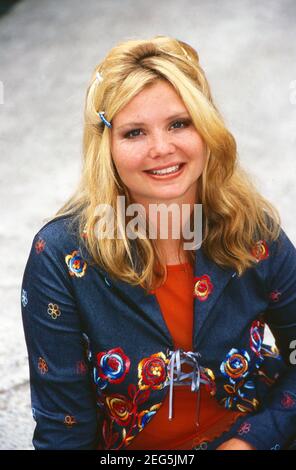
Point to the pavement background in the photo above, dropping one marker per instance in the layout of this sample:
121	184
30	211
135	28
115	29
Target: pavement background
48	50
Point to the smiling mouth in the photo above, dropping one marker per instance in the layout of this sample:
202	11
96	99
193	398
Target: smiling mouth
166	171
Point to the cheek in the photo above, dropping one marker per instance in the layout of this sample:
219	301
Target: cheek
127	159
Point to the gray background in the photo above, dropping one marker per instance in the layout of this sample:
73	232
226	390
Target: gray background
48	50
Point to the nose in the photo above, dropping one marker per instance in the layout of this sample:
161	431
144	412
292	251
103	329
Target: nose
160	144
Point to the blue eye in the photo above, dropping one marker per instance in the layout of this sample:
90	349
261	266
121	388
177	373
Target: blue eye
129	135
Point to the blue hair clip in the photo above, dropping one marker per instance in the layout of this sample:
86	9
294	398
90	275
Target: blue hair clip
101	114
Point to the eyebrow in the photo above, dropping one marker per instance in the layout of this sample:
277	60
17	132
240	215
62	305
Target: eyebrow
174	116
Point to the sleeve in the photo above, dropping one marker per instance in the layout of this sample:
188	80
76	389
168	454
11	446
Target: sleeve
274	427
63	403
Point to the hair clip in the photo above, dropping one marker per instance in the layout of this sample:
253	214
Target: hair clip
99	77
101	114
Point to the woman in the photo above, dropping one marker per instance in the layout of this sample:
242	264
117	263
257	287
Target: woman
134	340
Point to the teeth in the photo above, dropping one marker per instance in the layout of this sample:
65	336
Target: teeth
171	169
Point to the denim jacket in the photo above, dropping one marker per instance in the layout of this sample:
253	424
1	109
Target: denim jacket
102	358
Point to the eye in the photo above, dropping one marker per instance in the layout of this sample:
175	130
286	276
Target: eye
184	122
131	135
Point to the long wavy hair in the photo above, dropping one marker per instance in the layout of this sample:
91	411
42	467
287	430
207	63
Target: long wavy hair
235	215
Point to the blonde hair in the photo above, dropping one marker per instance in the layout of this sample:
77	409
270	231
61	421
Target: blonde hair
235	215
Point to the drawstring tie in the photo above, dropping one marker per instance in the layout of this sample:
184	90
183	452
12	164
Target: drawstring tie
177	377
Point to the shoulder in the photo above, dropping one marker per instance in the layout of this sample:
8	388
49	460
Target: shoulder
58	234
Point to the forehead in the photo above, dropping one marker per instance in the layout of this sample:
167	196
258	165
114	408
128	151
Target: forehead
156	100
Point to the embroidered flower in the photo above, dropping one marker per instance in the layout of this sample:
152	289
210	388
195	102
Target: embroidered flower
203	287
288	400
152	372
236	365
208	375
244	429
24	298
121	409
69	421
76	264
275	296
39	245
145	416
112	367
256	338
42	365
81	367
237	399
260	250
54	311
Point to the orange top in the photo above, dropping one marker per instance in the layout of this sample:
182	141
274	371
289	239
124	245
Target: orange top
175	298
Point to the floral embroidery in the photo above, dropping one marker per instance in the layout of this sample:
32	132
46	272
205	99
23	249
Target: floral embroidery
124	412
275	447
24	298
244	429
76	264
260	250
152	372
121	409
40	245
275	296
81	367
236	365
288	400
69	421
145	416
208	375
237	399
203	287
42	366
112	367
236	369
54	311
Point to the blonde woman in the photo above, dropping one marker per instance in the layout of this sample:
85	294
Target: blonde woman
142	341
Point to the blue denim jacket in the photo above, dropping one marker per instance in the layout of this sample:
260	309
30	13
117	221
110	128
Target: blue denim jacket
100	352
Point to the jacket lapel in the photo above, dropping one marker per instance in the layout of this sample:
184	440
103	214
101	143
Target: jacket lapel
209	282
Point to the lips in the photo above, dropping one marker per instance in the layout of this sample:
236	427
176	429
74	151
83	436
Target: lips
163	167
166	172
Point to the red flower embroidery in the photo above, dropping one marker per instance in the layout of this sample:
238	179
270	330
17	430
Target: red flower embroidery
42	365
39	246
260	250
112	366
81	367
203	287
121	409
287	400
275	296
152	372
